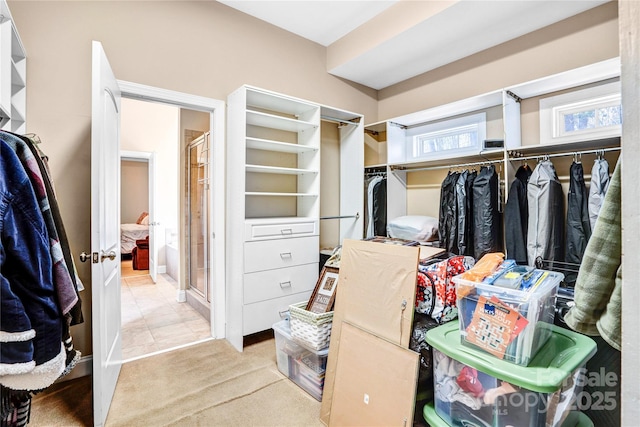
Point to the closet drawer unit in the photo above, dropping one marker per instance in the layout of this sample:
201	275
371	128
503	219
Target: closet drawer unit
261	230
279	253
262	315
270	284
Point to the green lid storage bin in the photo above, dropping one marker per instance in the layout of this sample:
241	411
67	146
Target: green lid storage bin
473	388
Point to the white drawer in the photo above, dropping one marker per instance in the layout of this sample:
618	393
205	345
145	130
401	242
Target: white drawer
280	229
279	253
262	315
271	284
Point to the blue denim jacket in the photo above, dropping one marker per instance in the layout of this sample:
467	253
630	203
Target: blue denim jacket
31	355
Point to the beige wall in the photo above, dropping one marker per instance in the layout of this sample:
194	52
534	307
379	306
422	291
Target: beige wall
134	190
589	37
208	49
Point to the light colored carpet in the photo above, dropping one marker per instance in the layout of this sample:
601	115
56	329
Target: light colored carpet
208	384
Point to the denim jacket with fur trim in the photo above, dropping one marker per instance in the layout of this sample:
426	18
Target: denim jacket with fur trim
31	351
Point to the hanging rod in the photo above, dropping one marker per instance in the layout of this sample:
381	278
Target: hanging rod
567	153
356	216
333	119
461	165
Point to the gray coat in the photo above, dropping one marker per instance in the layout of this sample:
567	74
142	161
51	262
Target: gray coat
545	231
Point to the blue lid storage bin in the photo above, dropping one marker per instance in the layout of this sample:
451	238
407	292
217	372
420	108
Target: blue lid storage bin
511	324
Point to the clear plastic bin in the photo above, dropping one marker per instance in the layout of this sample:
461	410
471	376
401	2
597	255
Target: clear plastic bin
472	387
510	324
303	365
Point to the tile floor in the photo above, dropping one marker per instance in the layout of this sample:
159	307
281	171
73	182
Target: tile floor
152	319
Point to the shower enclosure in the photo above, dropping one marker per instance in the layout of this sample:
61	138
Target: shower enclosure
198	198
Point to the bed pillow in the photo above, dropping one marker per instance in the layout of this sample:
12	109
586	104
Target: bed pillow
145	221
413	227
142	216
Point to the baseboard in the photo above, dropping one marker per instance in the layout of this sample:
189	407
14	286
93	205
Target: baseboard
162	269
82	369
182	295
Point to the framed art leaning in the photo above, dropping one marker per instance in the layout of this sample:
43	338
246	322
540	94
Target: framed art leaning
324	294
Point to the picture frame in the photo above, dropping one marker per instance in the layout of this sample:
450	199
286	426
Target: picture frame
324	293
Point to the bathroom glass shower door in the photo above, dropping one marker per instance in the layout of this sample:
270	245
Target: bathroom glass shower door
198	216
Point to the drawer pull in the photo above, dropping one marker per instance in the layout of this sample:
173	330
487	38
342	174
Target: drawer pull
286	284
285	254
286	231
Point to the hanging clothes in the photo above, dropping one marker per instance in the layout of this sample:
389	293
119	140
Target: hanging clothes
598	188
486	217
379	214
598	298
464	213
31	353
376	206
578	225
516	215
447	220
545	230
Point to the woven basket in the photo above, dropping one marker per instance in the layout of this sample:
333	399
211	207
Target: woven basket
311	329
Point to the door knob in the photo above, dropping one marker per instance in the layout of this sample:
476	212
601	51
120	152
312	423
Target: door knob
84	257
111	255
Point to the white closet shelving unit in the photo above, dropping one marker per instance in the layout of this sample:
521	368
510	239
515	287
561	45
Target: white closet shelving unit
273	205
389	142
13	75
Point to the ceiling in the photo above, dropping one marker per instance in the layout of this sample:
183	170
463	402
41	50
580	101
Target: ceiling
378	43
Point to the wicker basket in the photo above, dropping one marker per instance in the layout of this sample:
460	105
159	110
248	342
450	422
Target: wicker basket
311	329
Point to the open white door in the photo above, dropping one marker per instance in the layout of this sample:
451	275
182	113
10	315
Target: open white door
105	235
154	225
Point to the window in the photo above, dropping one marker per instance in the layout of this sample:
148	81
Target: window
449	138
583	115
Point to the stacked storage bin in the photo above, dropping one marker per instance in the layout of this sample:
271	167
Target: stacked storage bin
505	363
304	365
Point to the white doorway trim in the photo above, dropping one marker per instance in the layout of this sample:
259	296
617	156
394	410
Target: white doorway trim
216	108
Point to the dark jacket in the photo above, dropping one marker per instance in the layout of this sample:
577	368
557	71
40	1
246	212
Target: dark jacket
447	226
516	214
578	225
31	354
486	217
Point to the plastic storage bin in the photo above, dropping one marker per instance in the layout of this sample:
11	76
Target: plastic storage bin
303	365
510	324
472	387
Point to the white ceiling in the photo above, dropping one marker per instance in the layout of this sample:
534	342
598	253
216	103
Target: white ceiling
463	28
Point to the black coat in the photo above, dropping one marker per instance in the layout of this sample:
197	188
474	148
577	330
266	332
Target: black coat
516	216
486	217
578	225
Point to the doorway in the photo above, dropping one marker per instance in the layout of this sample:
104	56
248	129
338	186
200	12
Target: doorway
155	317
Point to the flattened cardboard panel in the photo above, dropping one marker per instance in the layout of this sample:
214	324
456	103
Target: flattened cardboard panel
375	278
381	288
375	382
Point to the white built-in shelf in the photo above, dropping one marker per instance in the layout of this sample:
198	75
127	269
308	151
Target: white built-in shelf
258	193
282	147
278	170
258	118
13	69
261	99
489	155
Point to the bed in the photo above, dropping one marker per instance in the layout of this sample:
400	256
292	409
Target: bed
129	233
